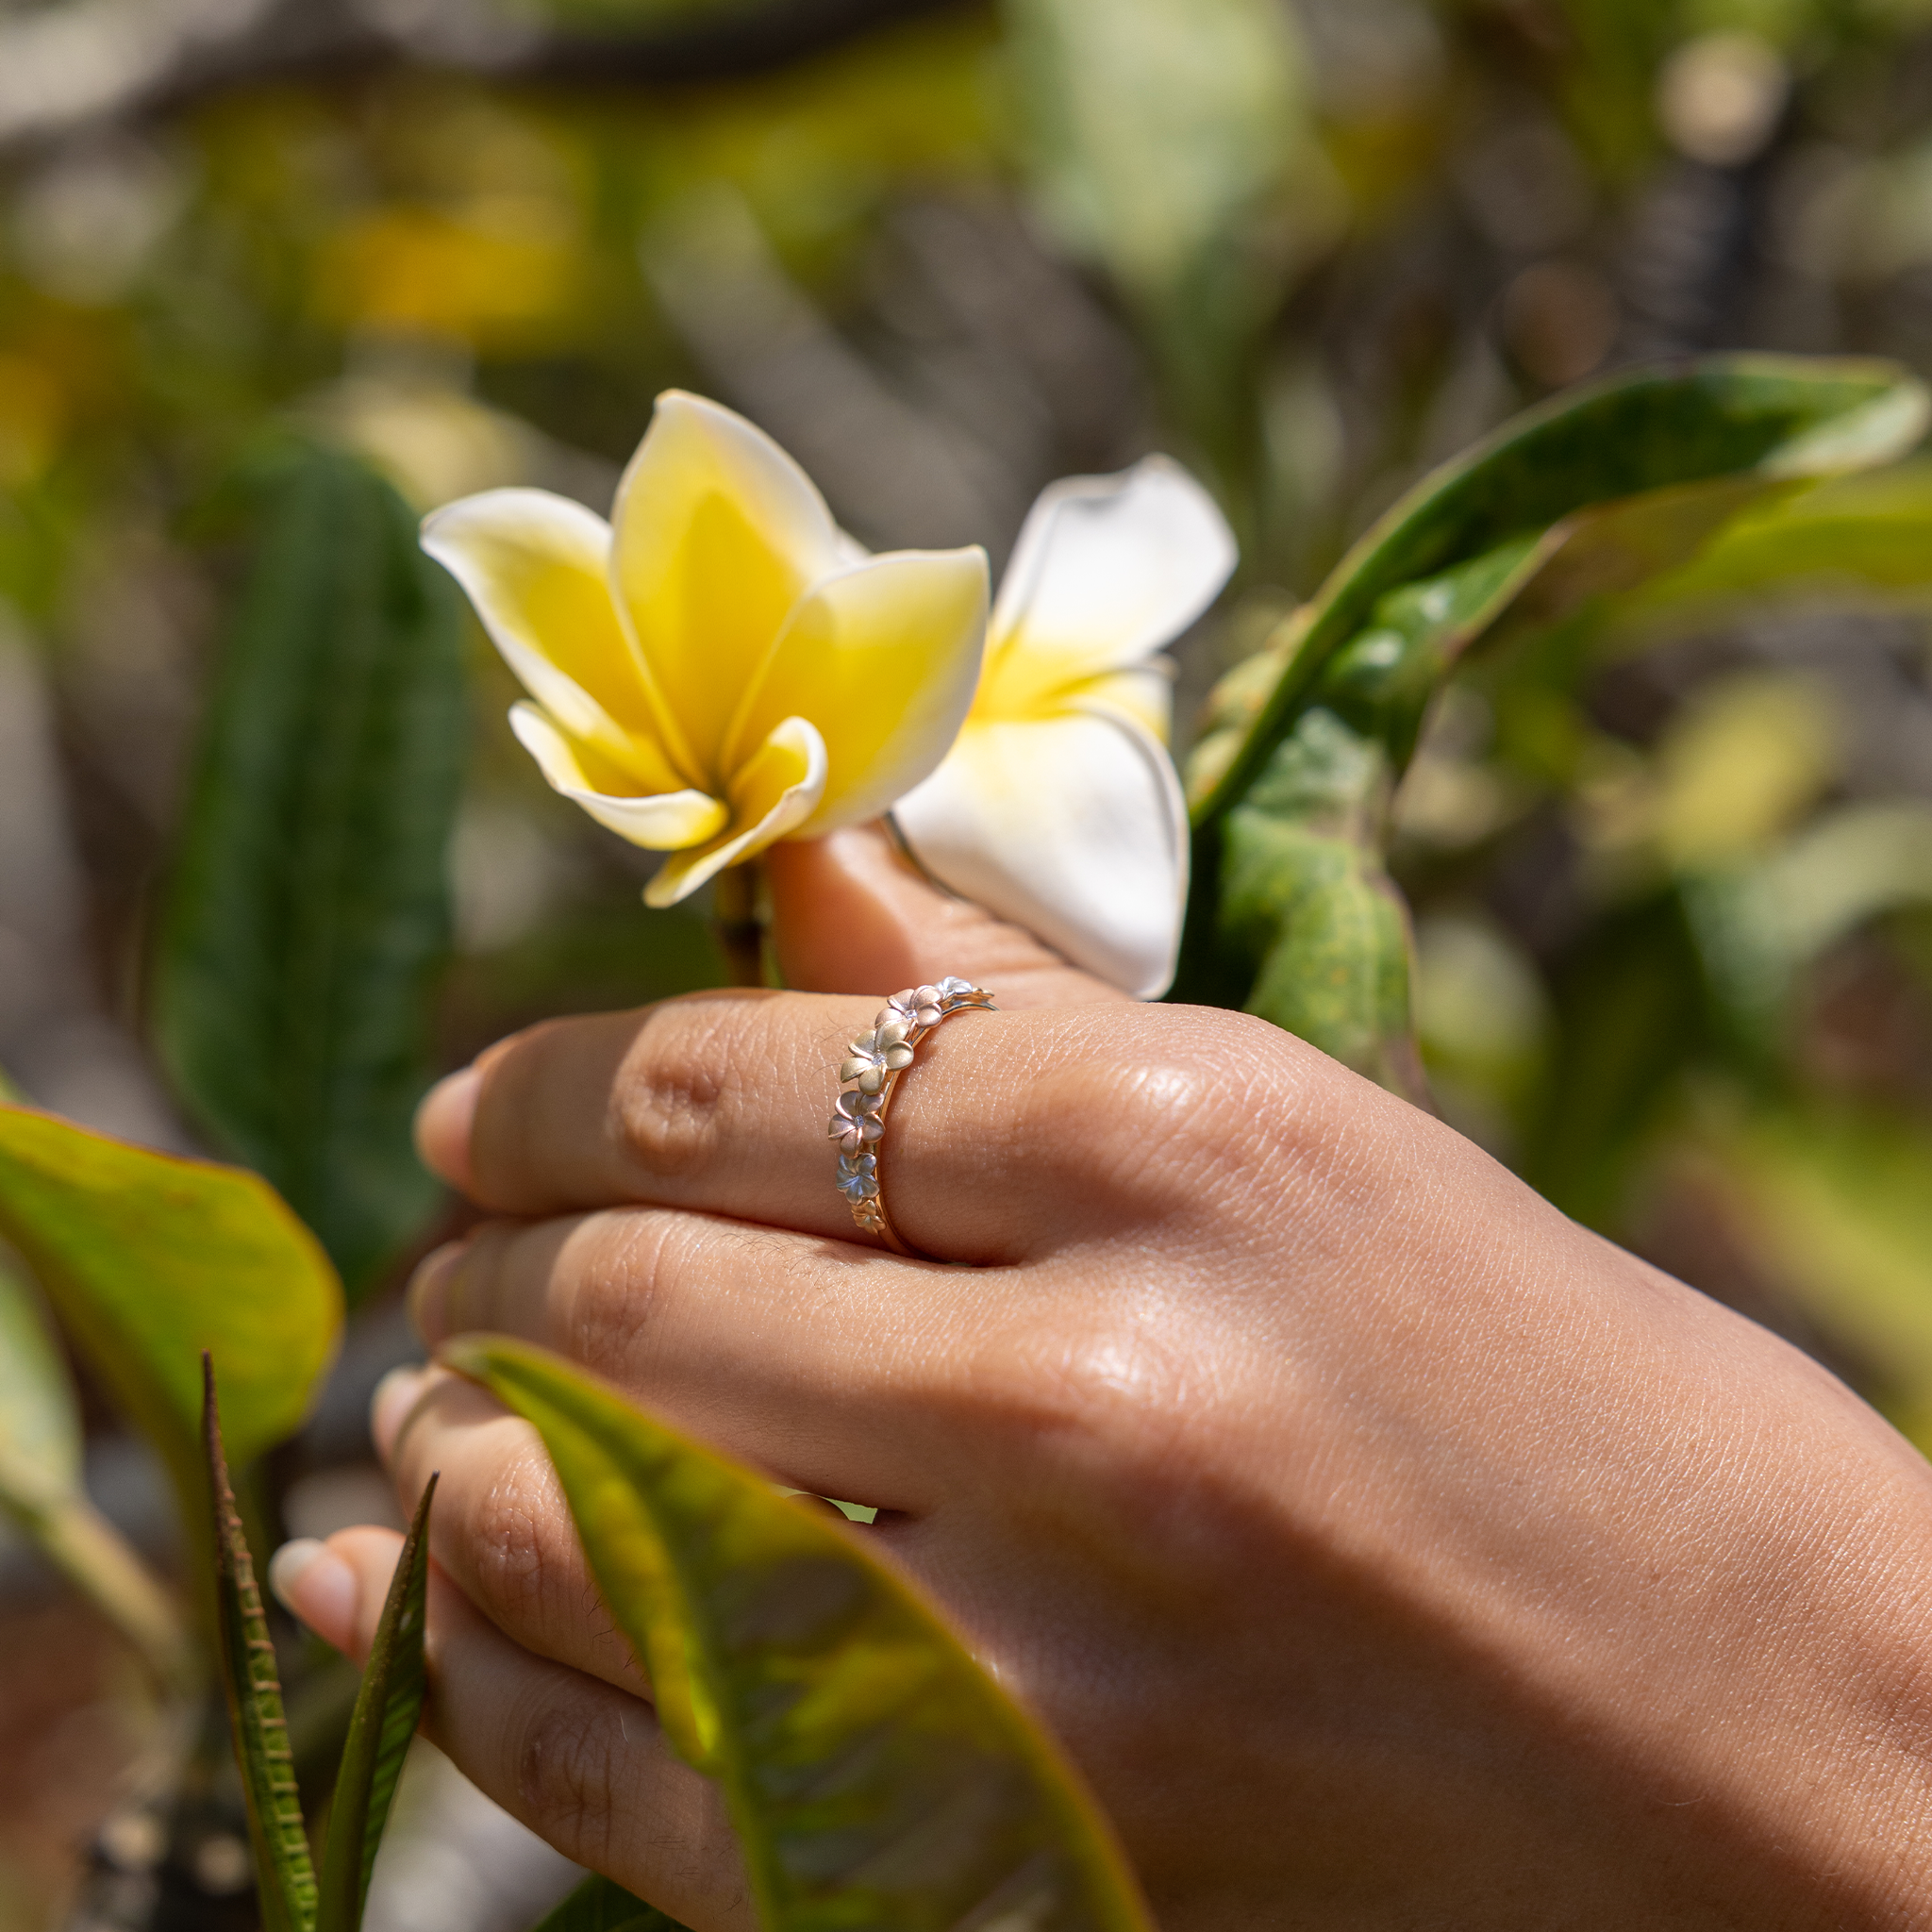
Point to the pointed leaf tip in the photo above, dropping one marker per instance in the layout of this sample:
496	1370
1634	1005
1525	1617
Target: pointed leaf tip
387	1709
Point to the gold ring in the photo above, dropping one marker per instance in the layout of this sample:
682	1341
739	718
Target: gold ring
867	1076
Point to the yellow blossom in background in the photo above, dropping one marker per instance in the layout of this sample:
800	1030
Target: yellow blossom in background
718	666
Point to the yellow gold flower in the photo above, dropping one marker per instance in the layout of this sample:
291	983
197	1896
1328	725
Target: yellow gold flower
718	666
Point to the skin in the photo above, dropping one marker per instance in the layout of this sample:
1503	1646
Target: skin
1387	1550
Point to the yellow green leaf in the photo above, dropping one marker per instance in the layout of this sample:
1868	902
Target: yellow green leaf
149	1259
878	1777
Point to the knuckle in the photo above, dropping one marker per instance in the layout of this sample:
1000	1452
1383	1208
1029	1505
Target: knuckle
1112	1395
1141	1131
566	1774
528	1577
667	1099
611	1282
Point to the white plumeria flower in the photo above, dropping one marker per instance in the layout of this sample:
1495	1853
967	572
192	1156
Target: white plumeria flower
1059	808
719	666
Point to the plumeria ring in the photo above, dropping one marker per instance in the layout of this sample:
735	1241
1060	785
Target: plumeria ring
867	1076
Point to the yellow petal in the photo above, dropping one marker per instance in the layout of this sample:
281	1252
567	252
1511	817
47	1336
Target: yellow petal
1106	571
537	569
665	822
717	534
885	656
772	795
1073	827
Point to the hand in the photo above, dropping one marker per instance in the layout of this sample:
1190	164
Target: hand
1389	1550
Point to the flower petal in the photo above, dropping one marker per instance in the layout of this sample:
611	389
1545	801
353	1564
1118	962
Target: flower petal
717	534
537	569
772	795
1106	570
885	654
1072	827
663	822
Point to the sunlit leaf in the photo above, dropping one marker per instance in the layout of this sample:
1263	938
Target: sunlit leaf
1586	497
598	1905
877	1775
149	1259
1853	540
307	917
285	1873
386	1709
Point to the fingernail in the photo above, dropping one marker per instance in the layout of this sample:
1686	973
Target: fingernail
395	1395
442	1125
428	1297
315	1585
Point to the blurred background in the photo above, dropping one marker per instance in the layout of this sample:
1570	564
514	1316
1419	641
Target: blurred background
1671	865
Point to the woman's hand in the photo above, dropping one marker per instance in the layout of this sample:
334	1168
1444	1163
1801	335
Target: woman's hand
1390	1551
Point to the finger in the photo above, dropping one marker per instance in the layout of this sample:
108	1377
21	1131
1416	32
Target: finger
502	1526
781	1350
582	1763
1010	1133
850	913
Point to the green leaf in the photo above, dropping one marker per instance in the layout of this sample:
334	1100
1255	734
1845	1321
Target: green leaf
386	1709
41	1490
307	918
877	1775
1311	932
1853	540
285	1874
599	1905
148	1261
1584	498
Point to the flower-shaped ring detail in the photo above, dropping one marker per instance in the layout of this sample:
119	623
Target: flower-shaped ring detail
868	1074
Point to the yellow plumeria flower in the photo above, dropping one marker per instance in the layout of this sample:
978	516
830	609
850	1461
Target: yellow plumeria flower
718	666
1059	808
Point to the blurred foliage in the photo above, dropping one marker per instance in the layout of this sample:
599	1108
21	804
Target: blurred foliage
306	920
1662	839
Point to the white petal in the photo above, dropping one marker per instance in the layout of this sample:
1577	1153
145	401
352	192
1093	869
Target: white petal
1073	826
1109	569
665	822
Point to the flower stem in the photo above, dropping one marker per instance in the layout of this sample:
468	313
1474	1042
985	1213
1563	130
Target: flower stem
737	918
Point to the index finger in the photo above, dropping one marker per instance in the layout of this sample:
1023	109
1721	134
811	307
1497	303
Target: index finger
719	1101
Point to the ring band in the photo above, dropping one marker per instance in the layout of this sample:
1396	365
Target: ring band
867	1076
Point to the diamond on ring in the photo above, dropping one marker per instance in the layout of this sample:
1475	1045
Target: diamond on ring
869	1073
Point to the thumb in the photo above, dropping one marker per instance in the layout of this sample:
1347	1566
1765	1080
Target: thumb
850	915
